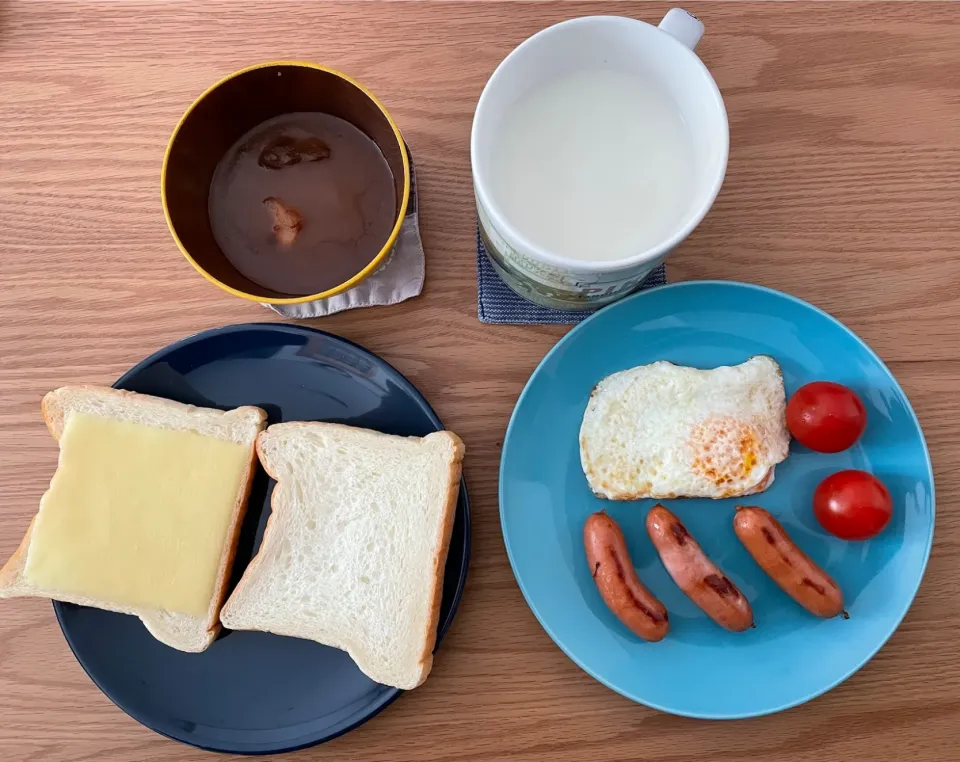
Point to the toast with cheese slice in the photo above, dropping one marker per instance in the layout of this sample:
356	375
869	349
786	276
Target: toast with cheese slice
93	516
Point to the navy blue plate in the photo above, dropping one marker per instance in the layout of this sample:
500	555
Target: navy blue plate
251	692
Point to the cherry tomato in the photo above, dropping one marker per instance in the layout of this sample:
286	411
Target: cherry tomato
825	416
852	505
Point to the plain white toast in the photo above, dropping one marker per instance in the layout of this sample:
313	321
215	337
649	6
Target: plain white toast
353	554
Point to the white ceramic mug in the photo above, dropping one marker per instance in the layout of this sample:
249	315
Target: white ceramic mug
664	53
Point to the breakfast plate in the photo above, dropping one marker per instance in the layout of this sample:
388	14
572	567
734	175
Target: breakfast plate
698	669
254	692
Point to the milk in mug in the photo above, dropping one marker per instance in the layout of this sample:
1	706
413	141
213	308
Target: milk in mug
593	165
597	146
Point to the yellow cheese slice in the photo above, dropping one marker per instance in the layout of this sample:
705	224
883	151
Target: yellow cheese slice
136	515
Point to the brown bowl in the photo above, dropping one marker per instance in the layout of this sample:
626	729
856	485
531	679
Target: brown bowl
226	111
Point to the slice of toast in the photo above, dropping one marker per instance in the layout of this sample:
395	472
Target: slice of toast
240	426
353	555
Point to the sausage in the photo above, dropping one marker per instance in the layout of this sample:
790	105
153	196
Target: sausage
617	580
696	574
771	547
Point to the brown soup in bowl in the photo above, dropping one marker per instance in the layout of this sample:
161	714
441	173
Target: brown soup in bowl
286	183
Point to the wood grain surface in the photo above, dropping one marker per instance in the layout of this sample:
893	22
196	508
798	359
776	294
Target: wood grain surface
843	188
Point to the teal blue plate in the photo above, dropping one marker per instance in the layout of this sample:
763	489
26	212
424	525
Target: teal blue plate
700	670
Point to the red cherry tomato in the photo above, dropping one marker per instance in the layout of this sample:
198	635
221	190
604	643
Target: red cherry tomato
852	505
825	416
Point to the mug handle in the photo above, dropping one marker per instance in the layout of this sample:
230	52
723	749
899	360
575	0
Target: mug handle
684	26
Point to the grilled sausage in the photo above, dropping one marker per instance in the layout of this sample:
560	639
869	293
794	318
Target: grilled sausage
696	574
771	547
617	580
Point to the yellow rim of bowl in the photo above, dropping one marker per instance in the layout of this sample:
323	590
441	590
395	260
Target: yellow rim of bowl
377	260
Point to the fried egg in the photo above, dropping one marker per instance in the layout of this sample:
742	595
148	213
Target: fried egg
668	431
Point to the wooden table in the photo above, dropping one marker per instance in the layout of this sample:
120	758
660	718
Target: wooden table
843	188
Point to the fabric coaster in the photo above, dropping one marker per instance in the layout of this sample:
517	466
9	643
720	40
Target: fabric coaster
498	303
398	279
